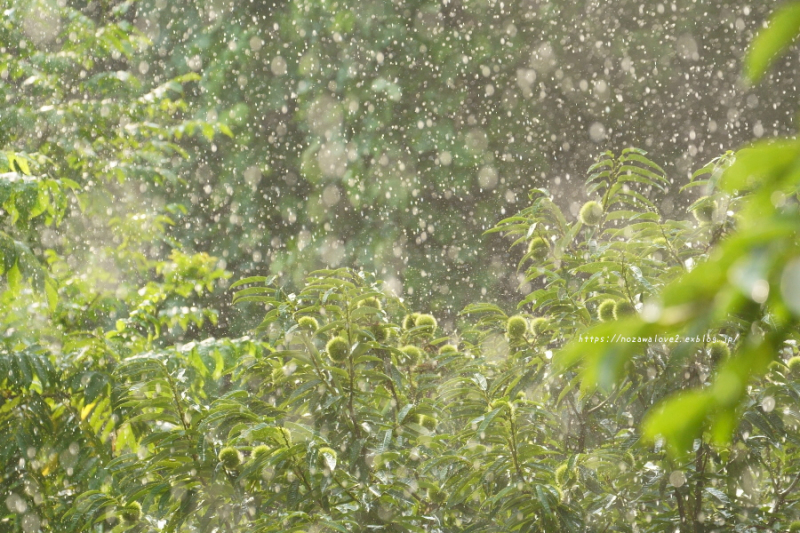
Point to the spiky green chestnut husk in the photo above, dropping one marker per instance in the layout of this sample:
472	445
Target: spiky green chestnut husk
337	348
448	349
412	353
561	474
591	213
538	248
498	404
282	437
623	308
719	351
410	320
325	451
370	301
540	325
794	365
605	311
379	332
285	438
565	476
794	526
516	327
428	422
427	322
262	450
308	323
230	457
705	213
132	513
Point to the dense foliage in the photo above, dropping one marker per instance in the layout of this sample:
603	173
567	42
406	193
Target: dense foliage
390	136
125	405
386	137
350	412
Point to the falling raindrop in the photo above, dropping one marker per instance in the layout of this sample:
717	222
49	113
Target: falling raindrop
677	478
768	404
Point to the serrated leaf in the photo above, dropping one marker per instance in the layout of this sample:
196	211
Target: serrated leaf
252	279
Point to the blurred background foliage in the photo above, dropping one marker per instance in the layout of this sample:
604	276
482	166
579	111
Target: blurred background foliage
388	135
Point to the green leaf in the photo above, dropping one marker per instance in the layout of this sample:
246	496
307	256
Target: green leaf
52	294
257	299
253	290
20	161
253	279
762	161
679	420
14	278
482	308
598	266
783	28
633	156
543	499
488	419
225	130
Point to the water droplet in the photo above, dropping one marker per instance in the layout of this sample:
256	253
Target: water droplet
597	132
677	479
768	404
